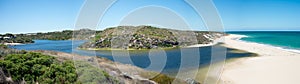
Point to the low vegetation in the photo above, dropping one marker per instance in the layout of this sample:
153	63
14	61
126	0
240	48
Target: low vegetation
163	79
89	74
59	35
33	67
64	35
5	50
3	46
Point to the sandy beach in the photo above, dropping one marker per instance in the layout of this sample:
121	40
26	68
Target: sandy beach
215	42
13	44
272	66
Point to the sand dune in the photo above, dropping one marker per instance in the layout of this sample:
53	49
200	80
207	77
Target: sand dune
272	66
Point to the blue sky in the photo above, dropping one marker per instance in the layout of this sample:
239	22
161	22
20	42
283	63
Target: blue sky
23	16
259	14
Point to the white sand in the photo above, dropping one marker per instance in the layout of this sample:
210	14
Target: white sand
272	66
216	41
13	44
200	45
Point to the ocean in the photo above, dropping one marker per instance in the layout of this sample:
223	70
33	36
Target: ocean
287	40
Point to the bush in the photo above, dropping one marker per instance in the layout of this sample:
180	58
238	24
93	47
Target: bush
2	46
162	79
88	74
36	67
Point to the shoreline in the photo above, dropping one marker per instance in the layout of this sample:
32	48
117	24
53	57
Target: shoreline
130	49
233	41
272	65
215	42
238	37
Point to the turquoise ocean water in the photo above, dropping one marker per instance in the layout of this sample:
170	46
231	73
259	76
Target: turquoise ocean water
287	40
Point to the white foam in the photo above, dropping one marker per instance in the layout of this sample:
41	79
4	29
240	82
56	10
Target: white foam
290	50
278	47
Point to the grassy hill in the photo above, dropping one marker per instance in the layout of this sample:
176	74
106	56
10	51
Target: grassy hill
147	37
58	35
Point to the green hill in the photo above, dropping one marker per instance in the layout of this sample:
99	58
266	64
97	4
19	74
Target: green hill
58	35
147	37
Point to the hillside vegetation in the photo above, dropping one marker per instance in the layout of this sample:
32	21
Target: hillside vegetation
147	37
82	34
59	35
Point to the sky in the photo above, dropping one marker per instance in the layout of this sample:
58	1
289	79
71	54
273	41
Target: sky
28	16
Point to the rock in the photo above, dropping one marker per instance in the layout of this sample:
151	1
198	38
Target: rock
126	76
191	81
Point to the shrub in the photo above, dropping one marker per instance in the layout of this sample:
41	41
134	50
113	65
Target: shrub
36	67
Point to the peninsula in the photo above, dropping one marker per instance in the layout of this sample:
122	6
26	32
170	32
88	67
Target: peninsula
148	37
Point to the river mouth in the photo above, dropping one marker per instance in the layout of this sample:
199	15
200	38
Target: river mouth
140	58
